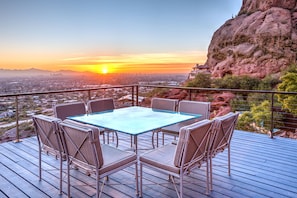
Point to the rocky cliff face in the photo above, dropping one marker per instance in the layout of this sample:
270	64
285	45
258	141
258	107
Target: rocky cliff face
261	40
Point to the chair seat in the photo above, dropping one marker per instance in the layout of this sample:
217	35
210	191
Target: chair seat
115	158
162	158
174	129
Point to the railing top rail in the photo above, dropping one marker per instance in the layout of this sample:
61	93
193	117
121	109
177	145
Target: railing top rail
65	91
216	89
153	86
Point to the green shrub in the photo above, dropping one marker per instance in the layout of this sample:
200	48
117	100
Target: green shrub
237	82
201	80
289	84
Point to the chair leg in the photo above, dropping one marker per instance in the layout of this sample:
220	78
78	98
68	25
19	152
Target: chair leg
157	139
102	186
68	178
40	164
97	185
136	175
61	171
103	134
181	192
207	177
117	139
107	137
153	139
140	193
229	161
210	173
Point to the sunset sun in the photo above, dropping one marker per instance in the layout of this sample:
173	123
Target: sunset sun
104	70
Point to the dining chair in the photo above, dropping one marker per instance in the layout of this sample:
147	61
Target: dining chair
84	151
64	110
224	125
162	104
102	104
178	160
99	105
187	106
49	140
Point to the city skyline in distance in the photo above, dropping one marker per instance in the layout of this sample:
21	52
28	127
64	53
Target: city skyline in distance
42	73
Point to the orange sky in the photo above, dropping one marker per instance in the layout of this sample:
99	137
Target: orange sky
180	62
117	36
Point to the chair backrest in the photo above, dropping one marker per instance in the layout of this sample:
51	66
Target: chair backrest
195	107
193	144
100	105
164	104
48	136
224	126
62	111
82	145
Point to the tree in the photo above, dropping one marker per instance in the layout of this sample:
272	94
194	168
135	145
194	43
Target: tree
201	80
268	83
244	121
262	113
237	82
258	117
289	84
227	82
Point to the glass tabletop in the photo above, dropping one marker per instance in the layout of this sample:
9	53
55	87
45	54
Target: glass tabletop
134	120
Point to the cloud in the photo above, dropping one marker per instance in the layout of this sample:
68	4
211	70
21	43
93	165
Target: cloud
144	62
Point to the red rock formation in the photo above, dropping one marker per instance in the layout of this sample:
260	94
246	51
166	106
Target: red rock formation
260	41
221	104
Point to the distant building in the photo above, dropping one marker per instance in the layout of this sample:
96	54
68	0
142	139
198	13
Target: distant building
198	69
129	98
7	114
159	82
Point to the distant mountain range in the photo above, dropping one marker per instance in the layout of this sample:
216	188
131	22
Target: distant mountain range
33	72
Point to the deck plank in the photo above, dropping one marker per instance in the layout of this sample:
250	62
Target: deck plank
260	167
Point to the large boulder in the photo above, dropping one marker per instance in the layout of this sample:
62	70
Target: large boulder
260	41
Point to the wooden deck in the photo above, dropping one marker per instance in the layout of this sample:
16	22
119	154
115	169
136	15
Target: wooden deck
261	167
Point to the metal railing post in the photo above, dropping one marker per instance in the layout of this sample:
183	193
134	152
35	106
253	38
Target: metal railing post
17	120
137	94
272	116
133	95
89	94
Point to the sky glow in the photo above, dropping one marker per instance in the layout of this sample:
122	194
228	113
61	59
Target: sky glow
123	36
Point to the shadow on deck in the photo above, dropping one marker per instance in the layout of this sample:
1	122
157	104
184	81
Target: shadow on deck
260	167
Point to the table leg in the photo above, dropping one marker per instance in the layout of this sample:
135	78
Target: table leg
135	142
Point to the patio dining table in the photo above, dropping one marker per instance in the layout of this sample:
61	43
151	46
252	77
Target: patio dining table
134	120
